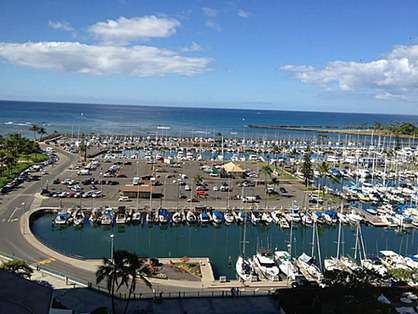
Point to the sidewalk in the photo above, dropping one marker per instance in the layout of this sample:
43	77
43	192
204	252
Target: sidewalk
55	281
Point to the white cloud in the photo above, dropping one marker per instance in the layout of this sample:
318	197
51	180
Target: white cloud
243	13
124	30
95	59
194	46
213	25
63	25
393	76
209	12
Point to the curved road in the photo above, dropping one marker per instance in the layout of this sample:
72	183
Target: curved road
14	204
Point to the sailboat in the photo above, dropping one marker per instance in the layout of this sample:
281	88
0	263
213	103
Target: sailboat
307	264
243	267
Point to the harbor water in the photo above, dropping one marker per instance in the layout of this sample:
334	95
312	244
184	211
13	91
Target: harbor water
222	243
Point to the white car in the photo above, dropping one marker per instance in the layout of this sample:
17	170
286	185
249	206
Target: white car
216	188
123	199
187	187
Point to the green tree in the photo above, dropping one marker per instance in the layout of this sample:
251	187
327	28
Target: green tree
35	129
198	179
135	268
41	132
307	170
83	148
123	270
19	267
267	172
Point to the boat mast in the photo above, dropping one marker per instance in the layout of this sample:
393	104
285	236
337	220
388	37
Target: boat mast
339	233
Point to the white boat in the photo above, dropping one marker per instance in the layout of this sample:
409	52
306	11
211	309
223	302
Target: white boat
275	215
204	217
266	218
255	217
177	218
106	220
120	218
343	218
191	217
240	217
229	217
149	218
392	260
306	219
283	223
136	217
332	264
264	262
374	264
61	218
308	268
244	269
354	218
284	261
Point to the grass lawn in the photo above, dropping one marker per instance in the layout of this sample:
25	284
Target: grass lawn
23	163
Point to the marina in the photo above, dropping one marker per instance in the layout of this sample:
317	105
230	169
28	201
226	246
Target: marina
221	243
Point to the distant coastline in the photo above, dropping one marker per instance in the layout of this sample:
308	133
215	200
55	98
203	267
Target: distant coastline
332	130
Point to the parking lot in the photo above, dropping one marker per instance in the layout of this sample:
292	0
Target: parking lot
184	184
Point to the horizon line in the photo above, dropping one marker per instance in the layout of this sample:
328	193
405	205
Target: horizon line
198	107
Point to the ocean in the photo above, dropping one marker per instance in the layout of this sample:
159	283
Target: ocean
75	118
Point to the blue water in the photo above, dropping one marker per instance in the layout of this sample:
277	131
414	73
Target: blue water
16	116
221	244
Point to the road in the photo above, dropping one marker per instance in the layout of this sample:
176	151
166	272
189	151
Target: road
14	204
12	242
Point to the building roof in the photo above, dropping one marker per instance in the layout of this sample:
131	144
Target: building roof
20	296
137	188
230	167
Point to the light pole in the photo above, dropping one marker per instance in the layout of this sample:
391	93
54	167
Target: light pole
112	236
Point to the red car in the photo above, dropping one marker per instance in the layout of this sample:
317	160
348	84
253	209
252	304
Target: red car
201	193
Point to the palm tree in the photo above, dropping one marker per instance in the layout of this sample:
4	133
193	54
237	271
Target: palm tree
323	170
2	165
124	269
136	268
83	149
198	179
41	132
35	129
18	267
267	171
10	160
307	166
111	271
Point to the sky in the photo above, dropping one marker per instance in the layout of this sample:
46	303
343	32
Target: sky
339	56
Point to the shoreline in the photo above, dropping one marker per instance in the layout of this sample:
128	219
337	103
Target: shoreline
319	129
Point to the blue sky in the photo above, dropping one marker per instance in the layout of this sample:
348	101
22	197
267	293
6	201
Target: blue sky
347	56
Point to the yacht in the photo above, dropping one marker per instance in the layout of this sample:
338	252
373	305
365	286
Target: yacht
190	217
136	217
229	217
374	264
177	217
120	218
164	216
264	262
284	261
217	217
61	218
255	217
204	217
244	269
307	265
266	218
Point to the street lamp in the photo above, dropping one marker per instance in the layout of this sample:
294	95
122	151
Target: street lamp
112	236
